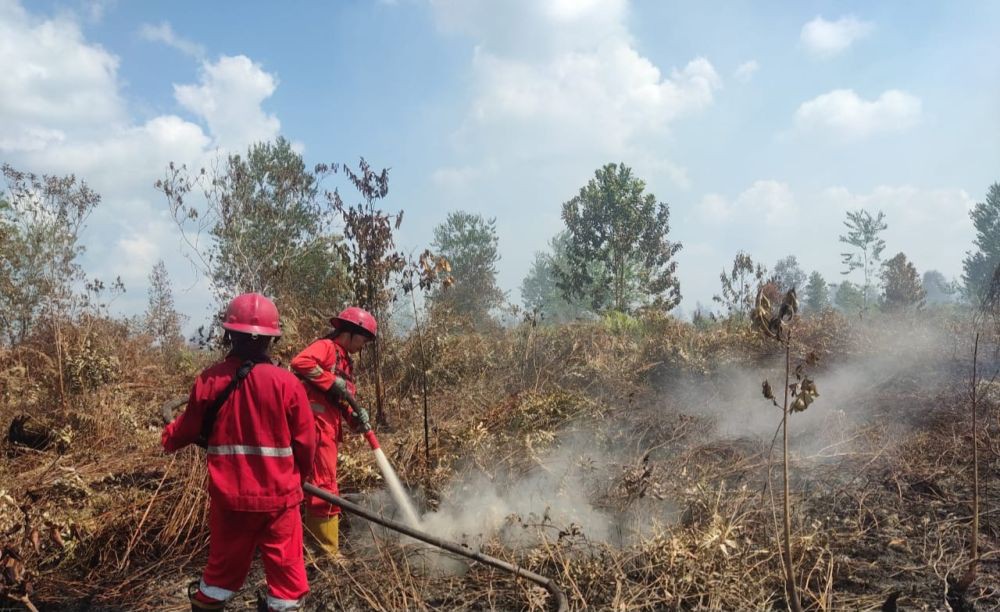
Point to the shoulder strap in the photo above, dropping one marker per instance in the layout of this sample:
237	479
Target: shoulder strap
208	421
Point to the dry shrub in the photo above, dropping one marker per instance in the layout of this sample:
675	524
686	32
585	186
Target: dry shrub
112	520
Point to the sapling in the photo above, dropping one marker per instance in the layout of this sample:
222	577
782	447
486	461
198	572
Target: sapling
776	323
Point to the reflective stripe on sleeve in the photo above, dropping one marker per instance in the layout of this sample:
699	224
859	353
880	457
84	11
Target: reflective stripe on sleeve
317	407
316	372
240	449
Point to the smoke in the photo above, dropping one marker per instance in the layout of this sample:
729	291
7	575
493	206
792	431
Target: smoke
554	499
563	493
893	355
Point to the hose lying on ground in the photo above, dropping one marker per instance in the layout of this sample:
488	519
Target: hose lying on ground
167	412
560	599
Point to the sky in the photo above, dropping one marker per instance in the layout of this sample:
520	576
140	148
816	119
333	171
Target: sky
760	123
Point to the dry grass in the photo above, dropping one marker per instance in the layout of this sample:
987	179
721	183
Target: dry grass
883	508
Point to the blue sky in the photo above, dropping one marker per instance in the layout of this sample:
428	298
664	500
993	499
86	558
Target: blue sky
760	123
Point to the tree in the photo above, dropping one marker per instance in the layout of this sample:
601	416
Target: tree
739	287
817	293
161	320
979	266
40	221
863	234
469	243
617	253
371	257
849	297
703	317
540	291
938	289
788	275
268	229
901	287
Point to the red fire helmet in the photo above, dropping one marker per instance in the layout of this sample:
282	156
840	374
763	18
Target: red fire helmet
356	317
252	313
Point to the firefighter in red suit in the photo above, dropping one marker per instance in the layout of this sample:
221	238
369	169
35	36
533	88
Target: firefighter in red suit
326	365
260	447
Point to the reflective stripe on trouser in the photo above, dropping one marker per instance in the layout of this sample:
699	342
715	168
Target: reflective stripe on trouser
324	473
283	605
234	536
200	601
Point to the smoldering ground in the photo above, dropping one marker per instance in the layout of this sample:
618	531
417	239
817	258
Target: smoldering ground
613	480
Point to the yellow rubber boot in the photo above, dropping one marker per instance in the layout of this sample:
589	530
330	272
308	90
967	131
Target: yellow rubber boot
325	530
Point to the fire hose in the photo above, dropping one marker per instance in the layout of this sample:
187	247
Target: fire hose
548	584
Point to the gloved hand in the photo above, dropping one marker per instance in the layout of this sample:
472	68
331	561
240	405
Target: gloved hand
361	418
339	388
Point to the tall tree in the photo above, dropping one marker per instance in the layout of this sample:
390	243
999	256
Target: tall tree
161	320
849	297
739	286
901	286
40	222
268	230
373	263
863	234
788	275
469	243
617	253
979	266
540	290
817	293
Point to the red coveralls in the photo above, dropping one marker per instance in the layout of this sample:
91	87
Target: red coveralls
319	363
262	444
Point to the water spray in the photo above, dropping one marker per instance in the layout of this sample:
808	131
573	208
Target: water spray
396	489
410	529
559	598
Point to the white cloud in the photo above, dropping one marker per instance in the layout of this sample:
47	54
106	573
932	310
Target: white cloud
62	112
770	219
913	215
95	9
138	256
52	83
826	39
847	116
746	70
563	80
767	202
228	98
164	33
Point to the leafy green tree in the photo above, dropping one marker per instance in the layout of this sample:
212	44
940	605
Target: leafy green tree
617	253
739	286
788	275
540	291
979	266
901	286
817	293
40	222
161	320
849	297
863	234
269	230
469	243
